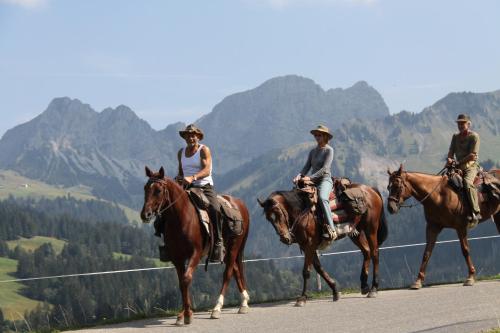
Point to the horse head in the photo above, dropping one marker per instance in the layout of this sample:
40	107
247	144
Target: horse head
277	215
398	190
156	195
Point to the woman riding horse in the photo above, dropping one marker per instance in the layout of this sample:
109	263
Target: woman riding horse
319	161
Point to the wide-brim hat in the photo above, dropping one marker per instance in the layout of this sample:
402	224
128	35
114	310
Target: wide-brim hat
463	118
323	130
191	129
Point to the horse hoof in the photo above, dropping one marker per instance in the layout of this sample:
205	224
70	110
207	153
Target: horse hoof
365	290
336	296
215	314
188	320
372	294
300	304
179	322
244	310
416	285
469	282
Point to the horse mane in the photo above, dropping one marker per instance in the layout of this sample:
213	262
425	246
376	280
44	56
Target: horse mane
295	199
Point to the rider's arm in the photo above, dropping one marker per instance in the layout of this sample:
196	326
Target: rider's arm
474	151
180	173
451	151
307	166
206	163
325	168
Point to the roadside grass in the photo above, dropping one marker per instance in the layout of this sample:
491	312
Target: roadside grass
12	303
33	243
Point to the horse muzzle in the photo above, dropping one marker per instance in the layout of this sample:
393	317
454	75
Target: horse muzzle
286	239
392	206
148	217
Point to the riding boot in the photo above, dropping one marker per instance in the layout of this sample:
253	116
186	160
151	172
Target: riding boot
164	255
218	251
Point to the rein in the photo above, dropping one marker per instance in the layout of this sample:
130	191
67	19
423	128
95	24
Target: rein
440	173
160	211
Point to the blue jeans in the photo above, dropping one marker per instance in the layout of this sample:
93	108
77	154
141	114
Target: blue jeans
324	188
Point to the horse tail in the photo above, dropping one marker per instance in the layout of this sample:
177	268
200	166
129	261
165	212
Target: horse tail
383	229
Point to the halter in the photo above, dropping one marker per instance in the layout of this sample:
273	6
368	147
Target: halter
164	184
397	197
291	229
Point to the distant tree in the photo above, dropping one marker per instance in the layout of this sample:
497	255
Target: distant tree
2	322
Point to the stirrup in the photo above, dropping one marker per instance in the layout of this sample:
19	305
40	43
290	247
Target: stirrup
218	253
330	233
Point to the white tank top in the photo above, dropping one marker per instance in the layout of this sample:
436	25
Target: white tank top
192	165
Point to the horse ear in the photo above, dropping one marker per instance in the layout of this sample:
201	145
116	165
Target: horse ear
261	203
400	170
161	172
149	173
389	171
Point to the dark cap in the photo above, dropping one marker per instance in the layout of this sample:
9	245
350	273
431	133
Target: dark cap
462	118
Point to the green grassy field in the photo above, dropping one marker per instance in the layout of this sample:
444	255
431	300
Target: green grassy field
13	184
31	244
12	303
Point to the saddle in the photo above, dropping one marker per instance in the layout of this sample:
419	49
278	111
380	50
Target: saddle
486	183
347	204
231	215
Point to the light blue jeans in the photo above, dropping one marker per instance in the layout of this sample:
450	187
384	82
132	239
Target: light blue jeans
324	189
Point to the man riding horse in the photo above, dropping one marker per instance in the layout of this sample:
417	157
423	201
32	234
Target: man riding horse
465	147
319	161
195	170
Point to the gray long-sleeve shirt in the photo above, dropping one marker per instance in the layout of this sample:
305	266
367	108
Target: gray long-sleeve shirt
320	162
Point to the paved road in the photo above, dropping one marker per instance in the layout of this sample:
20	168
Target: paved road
447	308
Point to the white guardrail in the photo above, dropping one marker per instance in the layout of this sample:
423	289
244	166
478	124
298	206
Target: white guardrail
247	261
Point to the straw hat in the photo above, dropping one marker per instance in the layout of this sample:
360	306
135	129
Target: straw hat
323	130
191	129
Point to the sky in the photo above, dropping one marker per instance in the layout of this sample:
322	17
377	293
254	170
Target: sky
175	60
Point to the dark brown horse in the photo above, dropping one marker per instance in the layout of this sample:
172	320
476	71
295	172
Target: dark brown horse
293	221
187	241
443	208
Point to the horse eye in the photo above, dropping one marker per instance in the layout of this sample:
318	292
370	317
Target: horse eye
156	191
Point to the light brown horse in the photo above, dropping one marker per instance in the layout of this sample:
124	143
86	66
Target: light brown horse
443	208
188	242
293	221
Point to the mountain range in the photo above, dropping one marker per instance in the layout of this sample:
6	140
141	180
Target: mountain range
71	144
259	139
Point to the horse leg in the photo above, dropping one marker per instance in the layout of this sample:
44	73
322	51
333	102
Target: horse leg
373	243
431	233
319	268
185	275
306	273
239	276
362	243
230	260
497	221
464	243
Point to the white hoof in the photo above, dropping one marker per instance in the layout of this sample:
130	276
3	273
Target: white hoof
469	282
244	310
215	314
300	304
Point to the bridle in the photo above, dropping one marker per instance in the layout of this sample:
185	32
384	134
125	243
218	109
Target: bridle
165	198
284	213
396	198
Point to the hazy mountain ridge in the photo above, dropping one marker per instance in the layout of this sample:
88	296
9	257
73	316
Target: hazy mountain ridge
71	144
279	113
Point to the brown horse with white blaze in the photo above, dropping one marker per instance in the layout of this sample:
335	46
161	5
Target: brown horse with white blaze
443	208
293	220
188	242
